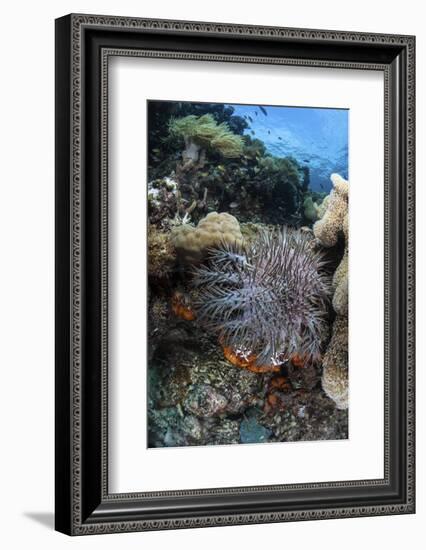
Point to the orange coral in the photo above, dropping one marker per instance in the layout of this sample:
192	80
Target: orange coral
181	307
247	361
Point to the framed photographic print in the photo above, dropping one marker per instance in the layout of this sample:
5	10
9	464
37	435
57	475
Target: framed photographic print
234	274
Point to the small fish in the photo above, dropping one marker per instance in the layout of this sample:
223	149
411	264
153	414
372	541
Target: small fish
306	160
255	113
252	131
322	186
221	168
156	150
269	131
279	137
263	110
250	119
233	205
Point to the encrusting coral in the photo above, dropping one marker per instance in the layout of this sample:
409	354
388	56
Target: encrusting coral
201	133
327	229
322	207
192	243
340	277
335	364
335	222
161	253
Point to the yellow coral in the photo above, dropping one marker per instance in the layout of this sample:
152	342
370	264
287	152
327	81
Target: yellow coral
205	132
321	209
192	243
340	277
335	364
327	229
335	221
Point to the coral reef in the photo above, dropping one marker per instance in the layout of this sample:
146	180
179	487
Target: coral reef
269	299
192	243
161	253
334	224
163	199
306	416
254	185
322	207
158	317
310	209
335	364
247	266
328	228
340	277
203	400
188	370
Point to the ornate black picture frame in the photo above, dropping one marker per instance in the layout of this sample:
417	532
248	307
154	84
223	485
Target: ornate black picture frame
83	45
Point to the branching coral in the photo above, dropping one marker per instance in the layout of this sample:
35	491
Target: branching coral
163	200
202	133
269	299
192	243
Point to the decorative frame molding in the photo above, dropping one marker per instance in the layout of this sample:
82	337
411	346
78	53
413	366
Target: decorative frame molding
84	44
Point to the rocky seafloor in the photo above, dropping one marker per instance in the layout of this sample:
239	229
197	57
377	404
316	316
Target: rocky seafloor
197	398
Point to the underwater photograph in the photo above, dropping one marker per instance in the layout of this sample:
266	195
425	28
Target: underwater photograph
248	238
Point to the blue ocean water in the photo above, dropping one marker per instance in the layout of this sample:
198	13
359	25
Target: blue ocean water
315	137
